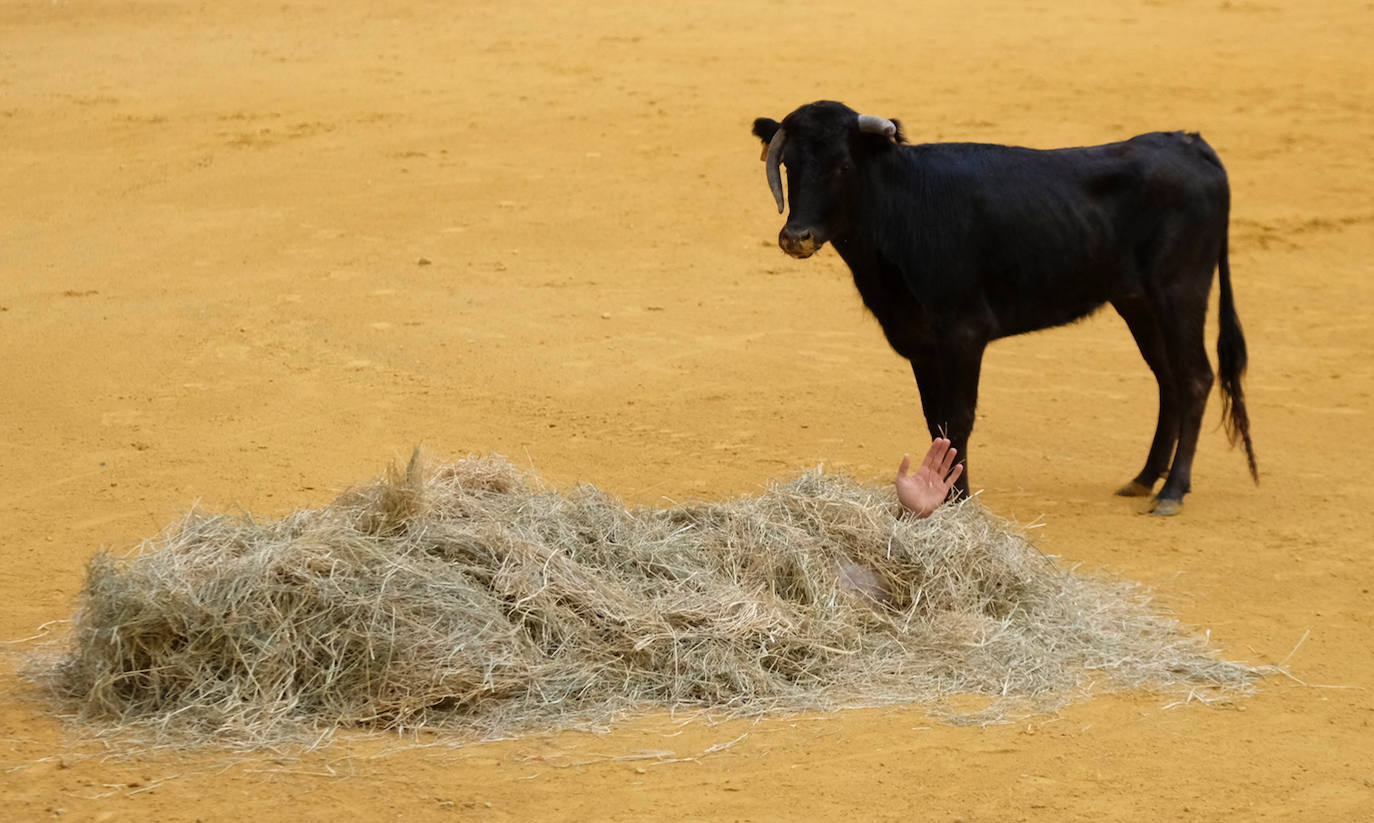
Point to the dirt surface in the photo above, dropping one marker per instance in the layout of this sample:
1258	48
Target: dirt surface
251	252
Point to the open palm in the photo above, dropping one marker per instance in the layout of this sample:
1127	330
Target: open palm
921	492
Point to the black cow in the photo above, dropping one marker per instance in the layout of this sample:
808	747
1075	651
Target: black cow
953	245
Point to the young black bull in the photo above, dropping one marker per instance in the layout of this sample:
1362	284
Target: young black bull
953	245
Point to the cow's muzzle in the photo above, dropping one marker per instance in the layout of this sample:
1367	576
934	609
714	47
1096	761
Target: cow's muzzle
799	243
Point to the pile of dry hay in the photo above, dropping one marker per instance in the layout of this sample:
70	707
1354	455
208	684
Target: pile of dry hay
468	597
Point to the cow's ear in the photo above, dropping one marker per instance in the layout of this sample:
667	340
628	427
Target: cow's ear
764	129
900	136
877	133
864	142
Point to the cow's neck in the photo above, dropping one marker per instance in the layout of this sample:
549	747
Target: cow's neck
905	322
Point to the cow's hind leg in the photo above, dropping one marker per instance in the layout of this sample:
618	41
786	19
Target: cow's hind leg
1184	324
1145	327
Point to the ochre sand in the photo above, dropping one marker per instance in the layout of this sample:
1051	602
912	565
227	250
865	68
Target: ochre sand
212	289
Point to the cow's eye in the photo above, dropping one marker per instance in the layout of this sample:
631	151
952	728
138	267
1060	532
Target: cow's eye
841	170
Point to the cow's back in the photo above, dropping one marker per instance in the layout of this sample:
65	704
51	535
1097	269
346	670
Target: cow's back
1045	237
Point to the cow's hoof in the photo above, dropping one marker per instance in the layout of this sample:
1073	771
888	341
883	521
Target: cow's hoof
1166	508
1134	489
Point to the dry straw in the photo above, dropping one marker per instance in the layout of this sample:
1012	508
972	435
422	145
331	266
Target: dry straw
468	597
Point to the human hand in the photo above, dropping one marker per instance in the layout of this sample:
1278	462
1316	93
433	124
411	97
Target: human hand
921	492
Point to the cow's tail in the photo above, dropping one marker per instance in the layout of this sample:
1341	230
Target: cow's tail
1231	359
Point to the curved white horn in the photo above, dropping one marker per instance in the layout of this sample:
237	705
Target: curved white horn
873	124
772	161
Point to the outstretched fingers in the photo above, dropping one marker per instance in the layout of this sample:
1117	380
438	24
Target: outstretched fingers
940	457
954	475
941	461
935	455
949	462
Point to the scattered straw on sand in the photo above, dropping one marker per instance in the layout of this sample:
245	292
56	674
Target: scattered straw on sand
468	597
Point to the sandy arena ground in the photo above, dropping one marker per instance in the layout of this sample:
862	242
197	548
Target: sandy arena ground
252	251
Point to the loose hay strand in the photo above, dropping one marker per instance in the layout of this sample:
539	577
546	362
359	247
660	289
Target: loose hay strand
468	596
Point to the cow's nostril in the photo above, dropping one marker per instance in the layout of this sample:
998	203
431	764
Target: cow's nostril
798	242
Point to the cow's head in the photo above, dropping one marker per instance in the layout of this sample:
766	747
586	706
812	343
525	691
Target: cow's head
826	147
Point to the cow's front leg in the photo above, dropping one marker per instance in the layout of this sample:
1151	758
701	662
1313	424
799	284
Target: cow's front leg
962	367
948	382
930	383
